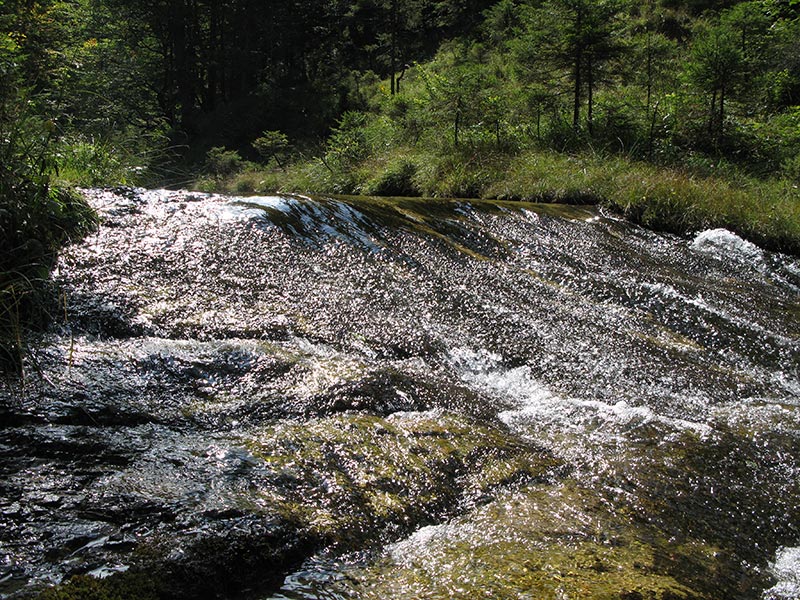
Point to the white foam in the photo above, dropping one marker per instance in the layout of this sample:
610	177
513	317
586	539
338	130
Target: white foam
483	369
786	569
108	570
405	551
354	221
531	216
727	244
274	202
790	384
331	219
245	209
670	293
667	291
535	404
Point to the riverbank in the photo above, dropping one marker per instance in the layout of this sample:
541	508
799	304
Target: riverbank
682	201
36	222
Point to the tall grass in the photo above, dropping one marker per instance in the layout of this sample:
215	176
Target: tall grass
36	219
127	157
765	211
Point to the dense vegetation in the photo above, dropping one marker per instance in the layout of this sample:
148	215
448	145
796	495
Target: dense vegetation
681	113
130	89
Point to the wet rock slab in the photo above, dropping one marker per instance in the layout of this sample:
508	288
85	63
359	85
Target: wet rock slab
364	398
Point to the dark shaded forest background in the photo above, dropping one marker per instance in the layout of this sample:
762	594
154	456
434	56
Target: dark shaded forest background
143	76
141	83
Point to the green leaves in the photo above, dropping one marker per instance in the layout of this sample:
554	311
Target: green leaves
716	59
348	143
272	145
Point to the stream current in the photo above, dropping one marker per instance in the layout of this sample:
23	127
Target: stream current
297	398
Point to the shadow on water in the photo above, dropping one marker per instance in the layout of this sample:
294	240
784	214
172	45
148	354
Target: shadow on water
336	398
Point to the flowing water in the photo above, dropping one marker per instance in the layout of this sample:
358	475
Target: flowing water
296	398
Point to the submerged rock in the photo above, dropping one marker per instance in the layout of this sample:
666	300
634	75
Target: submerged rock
246	511
406	398
542	542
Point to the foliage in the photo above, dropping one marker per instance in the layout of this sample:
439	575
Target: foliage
36	218
662	80
716	66
272	145
439	97
396	179
221	162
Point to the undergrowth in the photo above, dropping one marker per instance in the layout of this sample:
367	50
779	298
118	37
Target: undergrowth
36	219
682	201
36	223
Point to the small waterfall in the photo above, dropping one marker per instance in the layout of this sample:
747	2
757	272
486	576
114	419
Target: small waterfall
294	397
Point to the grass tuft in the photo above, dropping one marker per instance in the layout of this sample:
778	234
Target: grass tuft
36	222
765	211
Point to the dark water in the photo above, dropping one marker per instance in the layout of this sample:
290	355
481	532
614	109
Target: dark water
354	398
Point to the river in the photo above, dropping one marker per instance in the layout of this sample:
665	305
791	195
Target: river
304	398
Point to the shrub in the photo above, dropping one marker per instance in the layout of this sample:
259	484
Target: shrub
127	157
35	220
221	162
247	182
87	162
272	145
397	179
791	168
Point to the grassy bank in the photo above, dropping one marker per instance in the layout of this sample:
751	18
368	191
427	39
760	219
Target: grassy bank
36	220
766	212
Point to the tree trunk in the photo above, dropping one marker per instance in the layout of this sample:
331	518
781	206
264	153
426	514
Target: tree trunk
457	123
400	78
213	53
649	70
184	65
651	134
590	95
393	49
576	101
578	69
712	113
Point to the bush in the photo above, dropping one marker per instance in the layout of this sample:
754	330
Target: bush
127	157
35	220
348	142
272	145
248	181
221	162
460	174
791	168
88	163
396	180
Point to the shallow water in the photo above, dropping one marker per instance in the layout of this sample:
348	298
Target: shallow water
286	397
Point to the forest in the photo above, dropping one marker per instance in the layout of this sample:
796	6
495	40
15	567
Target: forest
681	114
399	299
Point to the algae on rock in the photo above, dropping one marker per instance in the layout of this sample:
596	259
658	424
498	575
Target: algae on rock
356	475
543	542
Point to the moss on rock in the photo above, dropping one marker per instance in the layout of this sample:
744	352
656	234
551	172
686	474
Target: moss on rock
120	587
349	476
541	542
